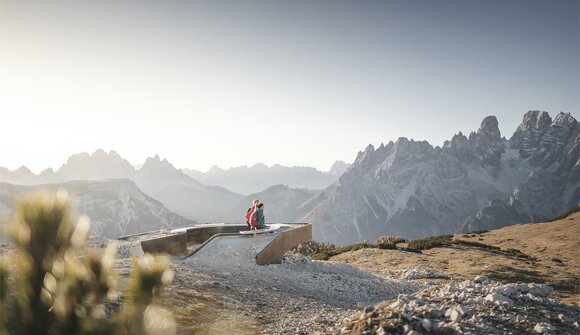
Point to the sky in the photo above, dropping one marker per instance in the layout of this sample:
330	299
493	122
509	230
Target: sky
297	83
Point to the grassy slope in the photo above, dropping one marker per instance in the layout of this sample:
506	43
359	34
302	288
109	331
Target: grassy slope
550	250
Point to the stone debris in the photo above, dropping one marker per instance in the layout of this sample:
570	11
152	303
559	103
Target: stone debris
478	306
499	300
543	328
301	296
421	272
298	296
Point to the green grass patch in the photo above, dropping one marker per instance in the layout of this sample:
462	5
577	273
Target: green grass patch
389	246
325	251
417	251
431	242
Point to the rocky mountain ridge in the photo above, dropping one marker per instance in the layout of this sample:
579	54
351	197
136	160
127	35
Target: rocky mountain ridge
115	206
157	178
256	178
413	189
552	149
406	187
443	290
186	195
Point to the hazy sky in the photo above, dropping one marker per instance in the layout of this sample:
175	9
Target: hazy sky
290	82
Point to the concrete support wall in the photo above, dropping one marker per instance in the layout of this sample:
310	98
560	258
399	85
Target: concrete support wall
175	244
285	241
200	234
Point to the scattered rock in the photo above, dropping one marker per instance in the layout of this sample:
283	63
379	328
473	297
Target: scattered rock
476	306
499	300
421	272
481	279
543	328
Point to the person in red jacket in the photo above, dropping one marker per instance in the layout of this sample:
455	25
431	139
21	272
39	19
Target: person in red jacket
252	215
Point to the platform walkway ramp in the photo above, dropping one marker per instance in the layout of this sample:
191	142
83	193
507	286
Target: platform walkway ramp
228	240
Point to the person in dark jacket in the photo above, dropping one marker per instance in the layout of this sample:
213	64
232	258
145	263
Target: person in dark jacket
261	218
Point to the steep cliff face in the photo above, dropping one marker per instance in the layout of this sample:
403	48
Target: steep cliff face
552	149
410	188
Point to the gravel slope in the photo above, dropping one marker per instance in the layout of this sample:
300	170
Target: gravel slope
297	296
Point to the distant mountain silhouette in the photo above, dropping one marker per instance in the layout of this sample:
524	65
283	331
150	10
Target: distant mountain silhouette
281	203
177	191
247	180
115	206
157	178
406	187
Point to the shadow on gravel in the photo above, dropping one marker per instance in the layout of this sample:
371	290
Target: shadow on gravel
509	274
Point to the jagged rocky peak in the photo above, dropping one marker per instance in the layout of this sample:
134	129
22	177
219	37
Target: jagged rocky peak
540	139
565	119
23	171
260	166
529	132
485	143
488	145
101	163
487	135
339	167
460	147
155	163
215	169
404	145
489	128
364	154
535	120
80	157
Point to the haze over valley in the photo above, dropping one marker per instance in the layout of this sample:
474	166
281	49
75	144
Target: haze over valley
407	187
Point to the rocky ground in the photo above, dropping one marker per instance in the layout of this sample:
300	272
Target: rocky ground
220	290
298	296
450	290
477	306
549	253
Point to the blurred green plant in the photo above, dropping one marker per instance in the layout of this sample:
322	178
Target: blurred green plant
53	282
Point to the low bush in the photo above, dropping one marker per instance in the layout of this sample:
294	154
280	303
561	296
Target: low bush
391	239
387	245
431	242
52	282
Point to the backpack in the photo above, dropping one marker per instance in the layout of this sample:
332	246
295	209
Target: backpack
252	217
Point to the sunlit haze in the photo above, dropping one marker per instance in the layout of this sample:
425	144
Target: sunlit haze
294	83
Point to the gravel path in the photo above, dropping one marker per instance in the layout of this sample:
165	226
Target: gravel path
297	296
301	296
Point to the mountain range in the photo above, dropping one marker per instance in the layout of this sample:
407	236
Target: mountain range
247	180
407	187
115	206
480	181
181	193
